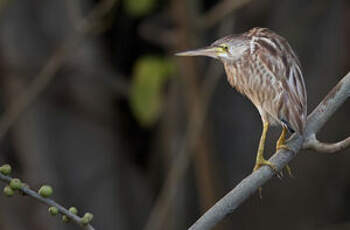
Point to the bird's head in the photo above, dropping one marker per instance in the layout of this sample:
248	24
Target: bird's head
229	48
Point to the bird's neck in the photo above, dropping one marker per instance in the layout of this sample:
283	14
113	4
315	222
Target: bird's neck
231	73
235	75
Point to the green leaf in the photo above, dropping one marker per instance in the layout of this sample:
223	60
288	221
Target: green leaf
139	8
149	77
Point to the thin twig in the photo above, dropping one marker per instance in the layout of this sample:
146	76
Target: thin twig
251	183
49	71
49	202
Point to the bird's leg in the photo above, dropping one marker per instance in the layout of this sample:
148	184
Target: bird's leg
281	145
281	140
260	160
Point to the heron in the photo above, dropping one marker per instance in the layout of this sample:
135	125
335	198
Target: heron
262	65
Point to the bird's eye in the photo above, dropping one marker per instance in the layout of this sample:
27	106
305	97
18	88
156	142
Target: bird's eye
224	47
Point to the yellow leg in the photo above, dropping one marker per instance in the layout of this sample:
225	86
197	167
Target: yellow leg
260	160
281	140
281	145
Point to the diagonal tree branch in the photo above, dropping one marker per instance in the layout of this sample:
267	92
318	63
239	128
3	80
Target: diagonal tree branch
316	120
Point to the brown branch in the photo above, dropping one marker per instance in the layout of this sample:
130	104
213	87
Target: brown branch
251	183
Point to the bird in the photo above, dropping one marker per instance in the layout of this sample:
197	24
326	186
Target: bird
262	65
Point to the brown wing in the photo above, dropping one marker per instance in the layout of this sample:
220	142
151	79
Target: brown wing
279	61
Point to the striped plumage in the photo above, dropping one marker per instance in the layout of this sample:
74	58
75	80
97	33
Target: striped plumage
262	65
269	74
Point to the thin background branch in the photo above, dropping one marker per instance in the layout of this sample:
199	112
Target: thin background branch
88	24
49	202
194	130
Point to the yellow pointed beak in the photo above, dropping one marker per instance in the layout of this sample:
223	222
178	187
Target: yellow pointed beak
210	51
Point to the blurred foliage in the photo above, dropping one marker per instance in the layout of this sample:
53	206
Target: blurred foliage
149	77
139	8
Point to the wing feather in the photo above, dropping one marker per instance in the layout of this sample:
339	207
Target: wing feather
288	80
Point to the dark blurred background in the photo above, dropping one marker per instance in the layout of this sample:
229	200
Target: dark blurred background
94	102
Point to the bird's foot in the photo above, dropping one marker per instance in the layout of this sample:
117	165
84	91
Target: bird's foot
289	171
281	146
261	162
288	168
282	140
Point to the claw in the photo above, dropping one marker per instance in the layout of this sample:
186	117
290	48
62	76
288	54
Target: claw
261	162
281	145
289	171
